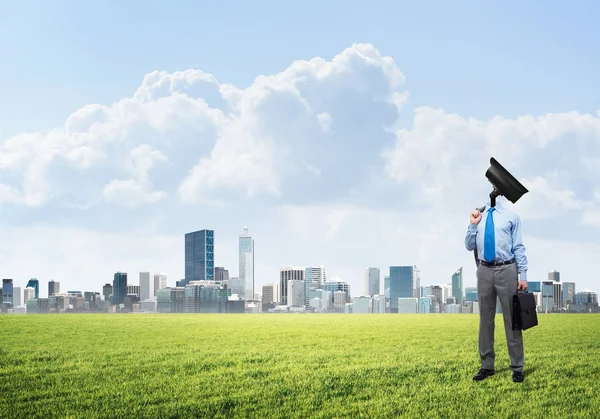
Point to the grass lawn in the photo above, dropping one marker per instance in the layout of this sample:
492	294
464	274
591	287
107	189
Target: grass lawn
290	365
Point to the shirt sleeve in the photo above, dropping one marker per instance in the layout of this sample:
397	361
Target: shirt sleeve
518	248
471	237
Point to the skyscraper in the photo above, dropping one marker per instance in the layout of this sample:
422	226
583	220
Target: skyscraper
160	282
554	276
7	291
416	282
286	274
28	294
372	281
246	259
146	289
568	293
314	277
53	287
17	297
401	285
386	286
457	286
199	256
35	284
221	274
267	293
119	288
295	292
107	291
334	285
471	294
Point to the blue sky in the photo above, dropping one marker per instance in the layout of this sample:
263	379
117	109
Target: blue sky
471	57
478	61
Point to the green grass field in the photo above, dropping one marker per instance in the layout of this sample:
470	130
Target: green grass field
293	366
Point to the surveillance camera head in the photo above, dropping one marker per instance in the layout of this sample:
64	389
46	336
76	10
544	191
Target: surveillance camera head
504	183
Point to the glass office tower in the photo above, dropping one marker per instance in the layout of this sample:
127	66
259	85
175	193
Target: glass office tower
401	285
199	256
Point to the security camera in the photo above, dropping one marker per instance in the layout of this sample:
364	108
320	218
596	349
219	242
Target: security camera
504	183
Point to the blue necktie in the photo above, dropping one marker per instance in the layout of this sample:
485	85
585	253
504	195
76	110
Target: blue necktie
489	240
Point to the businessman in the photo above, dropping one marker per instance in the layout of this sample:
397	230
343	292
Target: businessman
502	270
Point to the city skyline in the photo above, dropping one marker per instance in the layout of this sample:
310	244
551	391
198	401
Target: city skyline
353	151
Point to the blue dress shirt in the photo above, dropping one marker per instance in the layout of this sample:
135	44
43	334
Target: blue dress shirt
507	229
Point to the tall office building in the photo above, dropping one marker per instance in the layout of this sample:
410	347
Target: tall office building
267	293
457	286
386	286
286	274
146	287
334	285
221	274
295	292
401	285
246	260
53	288
160	282
471	294
119	288
372	281
7	291
133	289
236	286
199	256
547	296
17	297
107	291
424	305
314	277
35	284
568	293
28	294
276	292
558	295
554	276
416	282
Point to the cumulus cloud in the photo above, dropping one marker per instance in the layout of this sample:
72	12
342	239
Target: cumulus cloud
268	139
310	156
448	154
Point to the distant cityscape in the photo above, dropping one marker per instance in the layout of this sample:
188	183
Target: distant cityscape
209	289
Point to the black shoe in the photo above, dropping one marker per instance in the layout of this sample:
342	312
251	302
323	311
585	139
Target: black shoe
483	374
518	376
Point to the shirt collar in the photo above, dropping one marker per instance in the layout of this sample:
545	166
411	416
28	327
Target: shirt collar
499	207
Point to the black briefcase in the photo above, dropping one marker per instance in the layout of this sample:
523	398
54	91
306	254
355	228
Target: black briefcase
524	315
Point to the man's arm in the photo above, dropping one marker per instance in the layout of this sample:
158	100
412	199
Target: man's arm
518	248
471	237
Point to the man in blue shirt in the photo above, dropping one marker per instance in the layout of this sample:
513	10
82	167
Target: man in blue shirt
496	234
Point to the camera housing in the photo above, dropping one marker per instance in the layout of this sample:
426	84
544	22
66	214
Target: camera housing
504	183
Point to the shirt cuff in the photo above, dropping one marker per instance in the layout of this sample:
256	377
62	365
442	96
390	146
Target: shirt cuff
472	228
523	276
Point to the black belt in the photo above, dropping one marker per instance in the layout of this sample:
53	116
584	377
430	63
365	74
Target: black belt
492	264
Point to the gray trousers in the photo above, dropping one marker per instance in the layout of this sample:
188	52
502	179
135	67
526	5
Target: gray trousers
499	282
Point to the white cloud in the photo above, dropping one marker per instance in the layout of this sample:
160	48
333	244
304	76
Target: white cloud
449	154
308	157
324	119
226	141
131	193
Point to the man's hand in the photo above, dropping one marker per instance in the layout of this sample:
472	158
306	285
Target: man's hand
475	217
522	286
